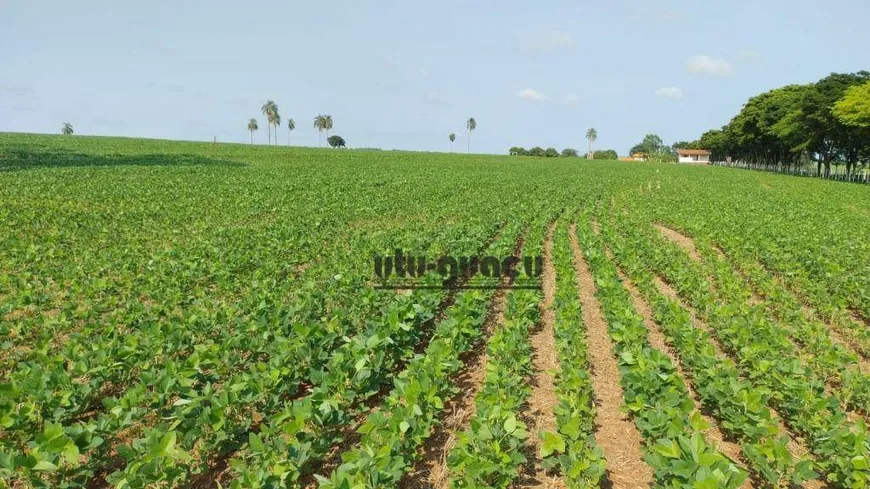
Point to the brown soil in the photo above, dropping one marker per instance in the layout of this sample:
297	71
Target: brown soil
615	434
542	400
683	241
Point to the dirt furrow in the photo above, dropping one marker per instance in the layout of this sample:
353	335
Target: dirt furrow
539	412
615	433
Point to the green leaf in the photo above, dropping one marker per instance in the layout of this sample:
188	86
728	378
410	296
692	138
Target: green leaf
551	443
255	442
45	466
510	424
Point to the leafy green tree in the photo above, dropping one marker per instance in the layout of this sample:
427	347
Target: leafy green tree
452	138
551	153
651	144
252	126
518	151
815	127
67	129
336	141
854	108
607	154
591	136
569	152
471	125
537	151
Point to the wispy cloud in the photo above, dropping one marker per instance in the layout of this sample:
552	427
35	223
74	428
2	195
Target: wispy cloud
705	65
531	95
670	92
550	41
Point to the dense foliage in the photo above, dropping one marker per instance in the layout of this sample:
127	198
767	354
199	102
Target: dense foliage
826	122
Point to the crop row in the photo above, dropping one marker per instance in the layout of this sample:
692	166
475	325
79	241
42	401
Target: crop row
765	355
392	434
572	447
739	406
294	439
654	393
828	359
490	452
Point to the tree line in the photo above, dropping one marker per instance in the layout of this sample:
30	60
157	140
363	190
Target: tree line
823	124
591	136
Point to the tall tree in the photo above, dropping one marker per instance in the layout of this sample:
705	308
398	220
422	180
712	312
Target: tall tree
67	129
854	108
252	126
452	138
591	136
320	125
471	125
291	124
853	112
327	124
276	121
269	110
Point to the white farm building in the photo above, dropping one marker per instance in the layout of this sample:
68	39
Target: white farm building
696	156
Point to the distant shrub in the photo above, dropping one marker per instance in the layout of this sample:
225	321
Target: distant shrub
606	154
537	151
551	153
569	152
336	141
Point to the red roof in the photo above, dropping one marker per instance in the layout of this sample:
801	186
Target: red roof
693	152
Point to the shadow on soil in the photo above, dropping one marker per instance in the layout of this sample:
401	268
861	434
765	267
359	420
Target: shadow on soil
17	159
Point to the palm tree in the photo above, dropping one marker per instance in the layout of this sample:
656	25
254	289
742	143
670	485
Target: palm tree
276	121
452	138
591	136
328	124
471	125
268	110
290	126
322	123
67	129
253	126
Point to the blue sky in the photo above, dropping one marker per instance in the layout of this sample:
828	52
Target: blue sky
405	74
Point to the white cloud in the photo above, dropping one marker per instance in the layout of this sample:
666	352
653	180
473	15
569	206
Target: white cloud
551	41
531	95
705	65
670	92
569	99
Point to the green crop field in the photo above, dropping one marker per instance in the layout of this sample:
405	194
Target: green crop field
206	315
